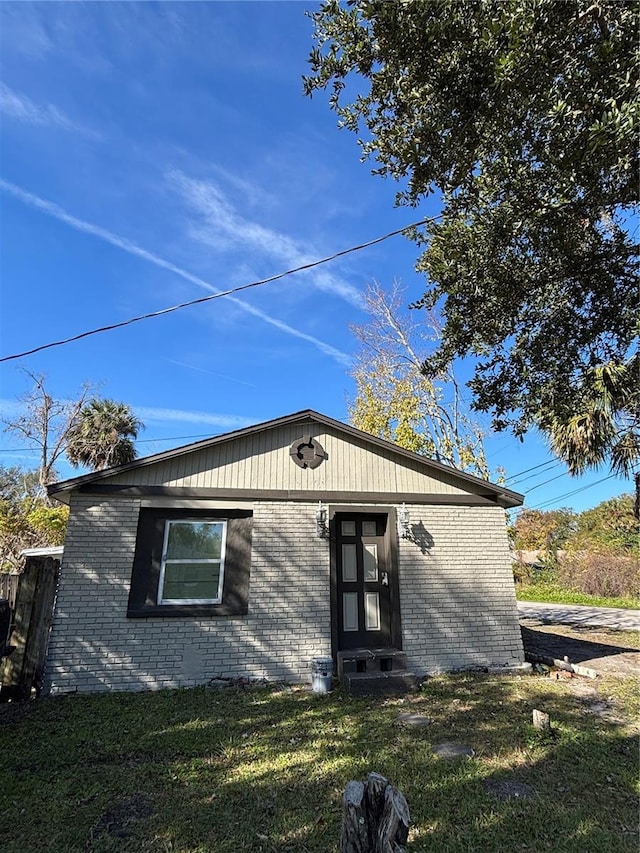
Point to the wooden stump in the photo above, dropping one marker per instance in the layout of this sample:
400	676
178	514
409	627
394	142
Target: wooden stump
375	817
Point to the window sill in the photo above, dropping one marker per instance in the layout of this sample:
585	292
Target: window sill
187	610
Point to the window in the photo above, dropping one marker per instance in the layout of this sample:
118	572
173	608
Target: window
191	563
192	567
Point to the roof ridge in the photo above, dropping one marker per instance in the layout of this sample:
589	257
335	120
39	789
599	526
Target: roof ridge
274	423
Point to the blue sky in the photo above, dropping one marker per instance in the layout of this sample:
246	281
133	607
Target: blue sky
154	153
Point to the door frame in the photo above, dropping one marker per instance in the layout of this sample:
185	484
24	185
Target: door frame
391	547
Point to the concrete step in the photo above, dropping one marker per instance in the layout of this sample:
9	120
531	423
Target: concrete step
380	683
370	660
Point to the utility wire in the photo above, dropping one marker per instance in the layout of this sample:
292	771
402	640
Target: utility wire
526	470
575	492
174	438
550	480
221	293
566	495
138	441
532	476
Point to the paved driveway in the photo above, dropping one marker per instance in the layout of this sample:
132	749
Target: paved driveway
580	615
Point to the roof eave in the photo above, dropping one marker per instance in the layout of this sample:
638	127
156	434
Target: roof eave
60	490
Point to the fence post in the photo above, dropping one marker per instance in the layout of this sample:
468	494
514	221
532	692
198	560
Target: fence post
24	666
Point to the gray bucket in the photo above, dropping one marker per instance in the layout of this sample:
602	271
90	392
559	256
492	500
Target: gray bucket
321	675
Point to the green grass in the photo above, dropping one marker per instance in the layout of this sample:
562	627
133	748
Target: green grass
200	771
553	593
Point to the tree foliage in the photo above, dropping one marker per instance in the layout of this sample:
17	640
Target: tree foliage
605	426
521	115
539	530
396	401
17	483
101	435
26	518
46	423
609	526
91	431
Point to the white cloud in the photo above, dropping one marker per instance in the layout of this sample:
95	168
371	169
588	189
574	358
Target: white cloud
220	225
229	422
131	248
20	107
24	31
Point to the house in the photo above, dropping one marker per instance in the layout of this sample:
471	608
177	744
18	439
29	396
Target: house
255	552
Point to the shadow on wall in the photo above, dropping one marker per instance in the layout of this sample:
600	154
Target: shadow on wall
421	537
458	606
95	647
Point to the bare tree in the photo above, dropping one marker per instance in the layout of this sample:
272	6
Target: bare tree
46	424
396	401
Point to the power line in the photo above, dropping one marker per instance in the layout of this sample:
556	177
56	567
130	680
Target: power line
173	438
221	293
526	470
501	448
550	480
552	463
566	495
575	492
138	441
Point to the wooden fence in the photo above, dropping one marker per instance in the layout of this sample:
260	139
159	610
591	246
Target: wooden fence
9	587
23	667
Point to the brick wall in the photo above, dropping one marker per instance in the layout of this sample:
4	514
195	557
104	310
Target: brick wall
456	590
457	601
95	647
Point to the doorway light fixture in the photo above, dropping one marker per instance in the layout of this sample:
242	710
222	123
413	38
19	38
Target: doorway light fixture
321	521
404	519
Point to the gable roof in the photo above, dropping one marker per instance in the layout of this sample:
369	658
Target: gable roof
507	497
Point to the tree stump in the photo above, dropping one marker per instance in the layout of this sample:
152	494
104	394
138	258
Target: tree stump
375	817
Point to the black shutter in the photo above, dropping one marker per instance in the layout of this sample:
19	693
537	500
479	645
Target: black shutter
145	574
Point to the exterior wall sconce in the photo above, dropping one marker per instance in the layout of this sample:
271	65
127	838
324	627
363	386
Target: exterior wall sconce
404	518
321	521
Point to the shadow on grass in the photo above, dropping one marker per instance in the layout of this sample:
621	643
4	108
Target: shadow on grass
554	645
198	771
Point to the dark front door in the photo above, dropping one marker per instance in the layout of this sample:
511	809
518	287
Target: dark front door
364	581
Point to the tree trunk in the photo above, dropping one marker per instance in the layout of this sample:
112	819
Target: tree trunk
375	817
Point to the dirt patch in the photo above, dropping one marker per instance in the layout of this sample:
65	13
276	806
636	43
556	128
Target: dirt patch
120	821
604	650
508	789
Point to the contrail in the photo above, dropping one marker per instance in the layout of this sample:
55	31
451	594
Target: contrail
57	212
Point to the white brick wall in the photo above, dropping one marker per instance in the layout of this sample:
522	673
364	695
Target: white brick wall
95	647
456	590
457	601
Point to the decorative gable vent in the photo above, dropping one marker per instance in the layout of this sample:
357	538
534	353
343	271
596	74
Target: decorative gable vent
307	452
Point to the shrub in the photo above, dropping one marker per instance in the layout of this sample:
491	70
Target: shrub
522	572
604	573
29	523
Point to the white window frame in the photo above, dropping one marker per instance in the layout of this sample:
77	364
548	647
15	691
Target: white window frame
212	561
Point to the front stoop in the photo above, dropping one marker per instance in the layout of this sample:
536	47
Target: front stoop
375	672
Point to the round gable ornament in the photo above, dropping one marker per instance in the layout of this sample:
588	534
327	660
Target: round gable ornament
307	452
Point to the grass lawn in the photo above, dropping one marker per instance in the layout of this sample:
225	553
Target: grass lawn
263	769
553	593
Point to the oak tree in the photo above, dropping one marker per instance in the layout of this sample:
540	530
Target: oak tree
521	117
